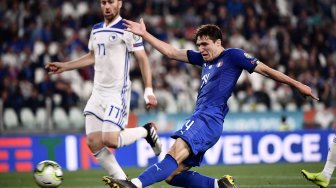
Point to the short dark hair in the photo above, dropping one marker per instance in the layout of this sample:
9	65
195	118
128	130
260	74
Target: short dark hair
210	30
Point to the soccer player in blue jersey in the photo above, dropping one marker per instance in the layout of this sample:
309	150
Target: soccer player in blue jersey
106	112
221	69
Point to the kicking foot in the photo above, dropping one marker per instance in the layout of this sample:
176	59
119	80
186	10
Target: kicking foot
316	178
226	181
117	183
153	138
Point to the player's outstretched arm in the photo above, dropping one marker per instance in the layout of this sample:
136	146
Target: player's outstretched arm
59	67
163	47
305	90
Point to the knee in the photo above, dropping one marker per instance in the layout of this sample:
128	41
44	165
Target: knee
110	143
111	139
169	179
94	144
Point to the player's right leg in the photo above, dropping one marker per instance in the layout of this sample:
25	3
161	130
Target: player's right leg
107	160
114	137
157	172
317	178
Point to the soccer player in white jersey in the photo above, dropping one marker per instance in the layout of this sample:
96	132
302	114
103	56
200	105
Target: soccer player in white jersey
106	112
323	178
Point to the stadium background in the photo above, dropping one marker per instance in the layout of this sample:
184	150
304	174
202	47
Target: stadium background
40	115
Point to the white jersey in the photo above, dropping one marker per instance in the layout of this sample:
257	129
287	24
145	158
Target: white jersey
112	46
110	97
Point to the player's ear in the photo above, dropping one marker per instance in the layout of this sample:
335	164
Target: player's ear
120	4
218	42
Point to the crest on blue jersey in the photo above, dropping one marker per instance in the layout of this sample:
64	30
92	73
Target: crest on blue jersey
248	56
220	63
113	37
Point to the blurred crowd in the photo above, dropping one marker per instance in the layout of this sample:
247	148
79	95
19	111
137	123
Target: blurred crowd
297	37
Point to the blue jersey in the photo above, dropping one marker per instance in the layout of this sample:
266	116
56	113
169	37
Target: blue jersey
220	76
204	127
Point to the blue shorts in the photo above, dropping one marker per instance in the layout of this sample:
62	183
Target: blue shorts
201	131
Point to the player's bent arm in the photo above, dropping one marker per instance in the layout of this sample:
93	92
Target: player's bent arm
57	67
265	70
85	60
142	58
146	73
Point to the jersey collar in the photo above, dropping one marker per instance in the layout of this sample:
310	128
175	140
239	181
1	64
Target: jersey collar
112	23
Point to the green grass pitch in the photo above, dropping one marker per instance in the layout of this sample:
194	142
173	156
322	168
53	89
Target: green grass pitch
246	176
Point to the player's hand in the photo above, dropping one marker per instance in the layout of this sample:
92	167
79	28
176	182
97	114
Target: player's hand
134	27
307	92
150	98
55	67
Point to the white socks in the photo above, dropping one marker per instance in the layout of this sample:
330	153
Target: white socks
216	183
130	135
331	161
109	163
137	182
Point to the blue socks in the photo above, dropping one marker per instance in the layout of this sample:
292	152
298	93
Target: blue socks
159	171
192	179
162	170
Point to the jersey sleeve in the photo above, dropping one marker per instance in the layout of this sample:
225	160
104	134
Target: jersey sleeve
133	42
195	58
243	60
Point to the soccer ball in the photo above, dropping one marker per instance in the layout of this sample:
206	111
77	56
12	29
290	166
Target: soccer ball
48	174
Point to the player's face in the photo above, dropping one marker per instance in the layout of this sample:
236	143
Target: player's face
208	48
110	8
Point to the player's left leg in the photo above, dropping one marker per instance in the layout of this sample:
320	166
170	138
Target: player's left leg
192	179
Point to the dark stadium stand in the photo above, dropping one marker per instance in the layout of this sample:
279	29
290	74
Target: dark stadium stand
296	37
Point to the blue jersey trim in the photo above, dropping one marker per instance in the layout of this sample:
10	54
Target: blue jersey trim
98	25
91	113
123	92
108	31
113	123
137	44
118	25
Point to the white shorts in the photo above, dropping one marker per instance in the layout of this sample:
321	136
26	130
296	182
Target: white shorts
111	109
